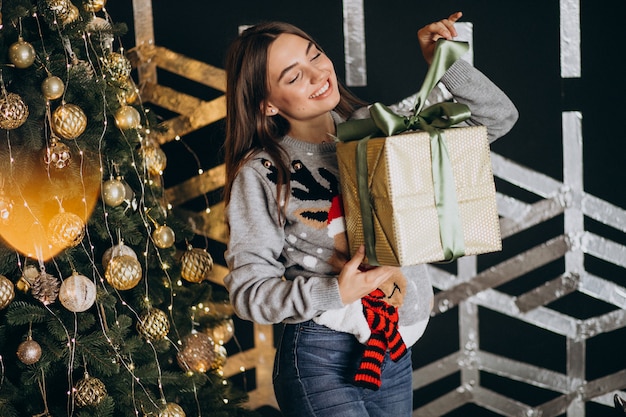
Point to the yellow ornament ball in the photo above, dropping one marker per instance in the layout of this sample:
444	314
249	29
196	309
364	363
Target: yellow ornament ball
22	54
52	87
113	192
94	5
69	121
13	111
153	324
123	272
66	230
127	117
7	292
164	237
172	410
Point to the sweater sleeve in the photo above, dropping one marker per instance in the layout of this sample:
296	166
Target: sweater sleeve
489	105
256	285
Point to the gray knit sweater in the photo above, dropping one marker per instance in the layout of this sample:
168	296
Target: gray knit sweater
284	272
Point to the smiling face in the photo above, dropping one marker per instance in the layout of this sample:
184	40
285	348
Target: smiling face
301	79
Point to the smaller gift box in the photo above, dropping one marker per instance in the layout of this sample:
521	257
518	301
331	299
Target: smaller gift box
406	221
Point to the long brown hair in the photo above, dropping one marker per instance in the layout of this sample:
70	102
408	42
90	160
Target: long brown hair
248	129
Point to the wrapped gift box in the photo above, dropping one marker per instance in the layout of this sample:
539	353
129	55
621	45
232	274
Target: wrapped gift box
402	195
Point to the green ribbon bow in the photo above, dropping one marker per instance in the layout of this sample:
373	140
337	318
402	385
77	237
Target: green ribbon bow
384	122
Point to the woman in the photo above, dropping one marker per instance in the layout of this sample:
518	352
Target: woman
287	253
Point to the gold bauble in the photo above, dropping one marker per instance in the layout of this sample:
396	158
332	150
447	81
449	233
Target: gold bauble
77	293
153	325
127	117
94	5
72	15
55	11
164	237
58	155
129	93
89	391
123	272
52	87
7	292
22	54
66	229
221	356
113	192
29	275
117	66
117	250
196	264
13	111
29	351
155	158
197	353
69	121
172	410
222	332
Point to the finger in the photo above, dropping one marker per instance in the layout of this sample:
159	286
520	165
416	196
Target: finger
357	258
455	16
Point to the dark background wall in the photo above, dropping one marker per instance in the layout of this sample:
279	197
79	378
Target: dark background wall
516	44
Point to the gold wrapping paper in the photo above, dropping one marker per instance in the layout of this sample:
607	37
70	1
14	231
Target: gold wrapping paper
406	224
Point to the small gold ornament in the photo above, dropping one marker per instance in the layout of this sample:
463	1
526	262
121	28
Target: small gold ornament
69	121
117	250
58	155
55	11
72	15
66	229
117	66
197	353
113	192
127	117
89	391
221	356
155	158
29	351
22	54
29	275
123	272
52	87
7	292
153	325
77	293
196	264
164	237
45	288
13	111
222	332
94	5
129	93
172	410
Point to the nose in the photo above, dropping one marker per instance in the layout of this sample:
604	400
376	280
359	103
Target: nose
318	74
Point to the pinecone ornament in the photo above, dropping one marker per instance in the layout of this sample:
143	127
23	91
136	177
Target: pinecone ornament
153	325
45	288
196	264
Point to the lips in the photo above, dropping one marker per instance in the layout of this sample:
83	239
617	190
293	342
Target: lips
321	91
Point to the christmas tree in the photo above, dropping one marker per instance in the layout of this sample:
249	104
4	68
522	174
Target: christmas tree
105	307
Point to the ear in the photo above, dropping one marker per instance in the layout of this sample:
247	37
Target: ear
269	109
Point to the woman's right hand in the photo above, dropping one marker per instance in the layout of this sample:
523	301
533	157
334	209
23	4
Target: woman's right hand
355	283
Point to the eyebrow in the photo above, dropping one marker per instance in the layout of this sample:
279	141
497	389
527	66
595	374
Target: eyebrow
286	70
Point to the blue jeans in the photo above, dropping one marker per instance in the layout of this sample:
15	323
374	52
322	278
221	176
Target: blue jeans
314	370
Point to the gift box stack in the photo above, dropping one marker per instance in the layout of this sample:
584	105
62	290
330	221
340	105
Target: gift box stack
427	195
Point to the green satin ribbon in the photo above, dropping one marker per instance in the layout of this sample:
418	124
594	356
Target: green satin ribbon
433	119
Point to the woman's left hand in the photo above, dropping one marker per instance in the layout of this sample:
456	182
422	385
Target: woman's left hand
429	34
